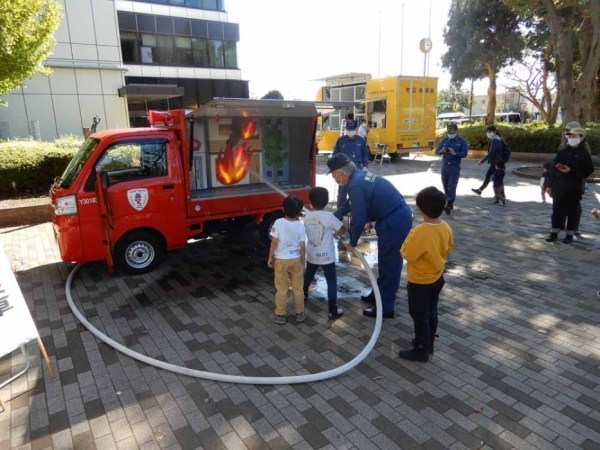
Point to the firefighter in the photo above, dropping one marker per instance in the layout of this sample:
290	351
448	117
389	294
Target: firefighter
452	148
355	148
373	198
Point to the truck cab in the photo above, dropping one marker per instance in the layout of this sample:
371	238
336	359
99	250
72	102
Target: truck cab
130	195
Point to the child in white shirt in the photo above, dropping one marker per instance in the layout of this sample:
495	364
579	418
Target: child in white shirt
286	255
320	250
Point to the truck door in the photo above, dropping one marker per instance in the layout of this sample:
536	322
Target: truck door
146	188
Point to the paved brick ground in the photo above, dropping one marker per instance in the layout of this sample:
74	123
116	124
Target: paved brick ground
516	364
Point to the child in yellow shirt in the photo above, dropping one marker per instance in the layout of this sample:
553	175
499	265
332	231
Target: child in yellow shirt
425	250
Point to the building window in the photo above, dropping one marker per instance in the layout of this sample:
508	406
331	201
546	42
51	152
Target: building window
129	47
168	50
200	52
230	54
215	54
212	5
165	51
148	49
183	51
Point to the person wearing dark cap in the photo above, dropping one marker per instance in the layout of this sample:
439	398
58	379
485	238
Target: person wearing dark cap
355	148
494	154
568	128
570	167
453	149
372	198
426	250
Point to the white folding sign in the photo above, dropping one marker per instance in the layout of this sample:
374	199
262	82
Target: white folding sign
16	325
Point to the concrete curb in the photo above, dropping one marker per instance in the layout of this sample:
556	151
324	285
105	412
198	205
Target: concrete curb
24	215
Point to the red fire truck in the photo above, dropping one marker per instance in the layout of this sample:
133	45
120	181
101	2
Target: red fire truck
130	195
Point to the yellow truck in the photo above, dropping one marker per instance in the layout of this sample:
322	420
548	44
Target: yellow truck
400	113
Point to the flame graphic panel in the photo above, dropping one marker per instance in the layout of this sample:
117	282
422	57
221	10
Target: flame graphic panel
231	164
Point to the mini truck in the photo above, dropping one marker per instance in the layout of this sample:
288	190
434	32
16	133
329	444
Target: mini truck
130	195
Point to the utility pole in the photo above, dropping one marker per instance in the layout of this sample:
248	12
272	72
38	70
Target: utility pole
471	101
402	40
379	49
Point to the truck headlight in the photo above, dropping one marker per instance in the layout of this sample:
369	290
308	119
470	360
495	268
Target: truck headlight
66	206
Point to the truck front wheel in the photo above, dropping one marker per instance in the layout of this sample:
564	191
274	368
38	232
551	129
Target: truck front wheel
138	252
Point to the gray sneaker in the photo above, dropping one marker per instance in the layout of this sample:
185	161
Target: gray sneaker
280	320
301	316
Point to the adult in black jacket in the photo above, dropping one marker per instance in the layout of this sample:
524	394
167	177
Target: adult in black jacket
494	154
570	167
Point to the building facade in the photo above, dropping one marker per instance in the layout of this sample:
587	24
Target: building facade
116	59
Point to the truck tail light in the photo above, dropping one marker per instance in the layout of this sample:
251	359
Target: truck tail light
66	206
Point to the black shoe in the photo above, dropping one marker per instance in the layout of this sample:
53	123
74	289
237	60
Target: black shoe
568	239
577	233
553	237
372	312
448	209
414	355
429	350
370	299
503	202
477	191
496	202
339	312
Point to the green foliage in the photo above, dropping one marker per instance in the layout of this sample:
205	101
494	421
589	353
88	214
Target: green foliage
452	99
28	167
26	39
274	95
539	138
480	34
273	145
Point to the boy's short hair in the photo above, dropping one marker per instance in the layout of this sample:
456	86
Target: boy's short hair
547	166
292	206
319	197
500	164
431	201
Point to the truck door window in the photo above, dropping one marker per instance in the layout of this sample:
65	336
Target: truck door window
377	112
133	160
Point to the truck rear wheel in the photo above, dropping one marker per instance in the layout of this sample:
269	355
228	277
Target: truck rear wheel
138	252
265	226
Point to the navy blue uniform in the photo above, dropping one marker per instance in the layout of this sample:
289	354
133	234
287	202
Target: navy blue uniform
372	198
451	164
356	149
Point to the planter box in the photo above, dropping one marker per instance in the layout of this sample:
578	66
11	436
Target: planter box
25	215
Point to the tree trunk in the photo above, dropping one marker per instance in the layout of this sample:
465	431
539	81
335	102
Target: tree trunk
575	95
491	93
595	109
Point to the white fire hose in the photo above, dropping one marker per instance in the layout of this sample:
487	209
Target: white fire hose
240	379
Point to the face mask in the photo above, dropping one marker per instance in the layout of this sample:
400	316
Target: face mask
451	135
573	142
350	133
490	135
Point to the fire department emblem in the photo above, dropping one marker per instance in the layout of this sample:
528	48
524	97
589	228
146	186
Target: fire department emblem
138	198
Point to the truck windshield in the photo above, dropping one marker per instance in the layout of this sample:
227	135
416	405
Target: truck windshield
72	171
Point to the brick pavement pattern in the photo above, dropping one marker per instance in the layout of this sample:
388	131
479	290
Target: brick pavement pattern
516	364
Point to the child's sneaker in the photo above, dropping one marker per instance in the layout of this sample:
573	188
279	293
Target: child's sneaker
301	316
279	320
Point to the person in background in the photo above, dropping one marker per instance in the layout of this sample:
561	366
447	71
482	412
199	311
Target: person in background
570	167
373	198
567	129
453	149
498	183
286	256
596	214
355	148
494	154
426	250
544	179
321	226
362	129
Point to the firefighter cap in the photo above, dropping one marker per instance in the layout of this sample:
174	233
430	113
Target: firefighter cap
337	162
350	124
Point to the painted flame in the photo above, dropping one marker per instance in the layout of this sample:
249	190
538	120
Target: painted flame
232	163
248	129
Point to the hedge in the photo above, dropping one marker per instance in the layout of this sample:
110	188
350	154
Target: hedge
526	139
28	167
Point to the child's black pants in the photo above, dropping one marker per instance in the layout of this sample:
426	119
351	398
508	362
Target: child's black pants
423	308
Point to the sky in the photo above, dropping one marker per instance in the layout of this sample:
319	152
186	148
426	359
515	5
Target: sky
288	45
